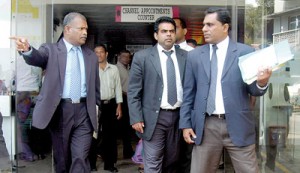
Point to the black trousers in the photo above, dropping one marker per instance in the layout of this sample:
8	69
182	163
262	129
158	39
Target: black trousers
125	130
108	125
71	130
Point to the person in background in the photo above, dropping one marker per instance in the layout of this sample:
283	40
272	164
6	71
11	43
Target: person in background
28	84
212	116
155	96
126	132
192	42
185	148
181	31
111	110
4	156
67	101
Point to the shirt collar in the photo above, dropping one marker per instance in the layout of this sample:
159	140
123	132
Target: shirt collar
223	44
182	44
160	48
108	65
69	45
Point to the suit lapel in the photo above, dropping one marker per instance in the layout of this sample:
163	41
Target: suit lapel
181	63
87	64
62	60
205	55
230	57
154	58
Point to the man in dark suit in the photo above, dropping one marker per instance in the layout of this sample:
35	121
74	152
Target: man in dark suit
69	94
216	113
155	96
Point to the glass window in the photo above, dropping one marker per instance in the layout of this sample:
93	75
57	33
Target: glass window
294	22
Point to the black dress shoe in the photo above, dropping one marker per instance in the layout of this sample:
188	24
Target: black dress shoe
111	169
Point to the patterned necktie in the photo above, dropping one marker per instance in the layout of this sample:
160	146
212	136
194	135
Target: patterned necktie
210	106
75	89
171	79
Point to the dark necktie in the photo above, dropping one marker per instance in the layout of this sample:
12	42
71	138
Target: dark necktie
75	89
210	107
177	46
171	79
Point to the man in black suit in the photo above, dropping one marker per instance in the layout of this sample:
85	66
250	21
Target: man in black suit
155	96
69	94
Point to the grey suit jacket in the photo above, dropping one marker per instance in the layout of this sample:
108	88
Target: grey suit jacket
146	87
53	58
239	119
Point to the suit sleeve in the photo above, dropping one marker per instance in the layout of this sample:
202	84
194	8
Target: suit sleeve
255	91
38	58
135	89
189	93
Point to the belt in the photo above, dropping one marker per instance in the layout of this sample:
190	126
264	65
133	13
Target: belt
107	101
171	110
68	100
220	116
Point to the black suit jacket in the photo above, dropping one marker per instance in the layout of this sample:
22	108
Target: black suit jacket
146	86
53	58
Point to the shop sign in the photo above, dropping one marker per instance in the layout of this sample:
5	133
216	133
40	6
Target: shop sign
144	13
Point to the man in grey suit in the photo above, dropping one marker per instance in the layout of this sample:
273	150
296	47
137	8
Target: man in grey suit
70	115
155	96
216	113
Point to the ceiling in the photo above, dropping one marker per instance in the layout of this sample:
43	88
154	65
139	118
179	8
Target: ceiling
101	21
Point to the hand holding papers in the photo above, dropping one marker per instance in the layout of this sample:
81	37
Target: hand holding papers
273	56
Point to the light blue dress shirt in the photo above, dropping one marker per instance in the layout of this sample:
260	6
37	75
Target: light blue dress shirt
67	82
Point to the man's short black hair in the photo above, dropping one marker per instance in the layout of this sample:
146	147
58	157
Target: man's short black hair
163	19
182	22
223	15
101	45
124	51
194	42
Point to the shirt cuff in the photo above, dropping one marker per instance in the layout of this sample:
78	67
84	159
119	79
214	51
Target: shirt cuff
262	88
28	52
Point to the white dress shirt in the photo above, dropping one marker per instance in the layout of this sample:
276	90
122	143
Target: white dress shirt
163	62
221	54
185	46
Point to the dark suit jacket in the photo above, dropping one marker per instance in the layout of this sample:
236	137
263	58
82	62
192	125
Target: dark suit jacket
239	119
146	86
53	58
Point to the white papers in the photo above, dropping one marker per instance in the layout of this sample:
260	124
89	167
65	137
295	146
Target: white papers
273	56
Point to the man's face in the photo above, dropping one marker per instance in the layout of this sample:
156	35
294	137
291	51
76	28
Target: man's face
101	54
214	31
165	35
124	58
76	31
180	32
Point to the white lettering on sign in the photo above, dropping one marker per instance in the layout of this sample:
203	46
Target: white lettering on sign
142	14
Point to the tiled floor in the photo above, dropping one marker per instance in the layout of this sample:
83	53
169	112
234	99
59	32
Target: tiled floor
287	158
